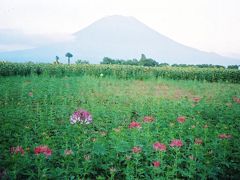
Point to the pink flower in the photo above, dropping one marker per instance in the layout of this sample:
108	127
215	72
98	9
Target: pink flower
198	141
176	143
159	147
196	99
43	150
224	136
16	150
156	163
81	116
136	149
134	125
148	119
181	119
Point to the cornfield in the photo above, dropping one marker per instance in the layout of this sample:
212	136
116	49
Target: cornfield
121	71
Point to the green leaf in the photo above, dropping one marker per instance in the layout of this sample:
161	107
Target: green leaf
99	149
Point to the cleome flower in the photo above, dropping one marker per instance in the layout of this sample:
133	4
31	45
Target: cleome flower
81	116
134	124
156	163
176	143
136	149
224	136
43	150
148	119
236	99
16	150
198	141
159	147
196	99
181	119
68	152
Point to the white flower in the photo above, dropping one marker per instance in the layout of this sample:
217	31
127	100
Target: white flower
81	116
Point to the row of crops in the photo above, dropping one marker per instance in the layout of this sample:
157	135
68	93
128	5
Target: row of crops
121	71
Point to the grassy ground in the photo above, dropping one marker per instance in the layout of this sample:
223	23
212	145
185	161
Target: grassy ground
36	110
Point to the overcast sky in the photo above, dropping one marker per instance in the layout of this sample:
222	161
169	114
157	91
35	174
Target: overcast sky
210	25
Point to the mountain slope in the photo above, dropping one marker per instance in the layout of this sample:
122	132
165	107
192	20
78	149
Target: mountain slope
123	38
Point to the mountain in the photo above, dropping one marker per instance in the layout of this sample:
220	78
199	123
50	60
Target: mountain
119	37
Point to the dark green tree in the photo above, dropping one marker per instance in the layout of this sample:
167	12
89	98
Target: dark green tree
68	55
57	58
107	60
163	64
147	61
79	61
233	67
143	57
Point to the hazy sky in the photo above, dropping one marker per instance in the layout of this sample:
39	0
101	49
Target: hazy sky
210	25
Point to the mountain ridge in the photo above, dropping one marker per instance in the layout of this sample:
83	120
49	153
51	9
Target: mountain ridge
119	37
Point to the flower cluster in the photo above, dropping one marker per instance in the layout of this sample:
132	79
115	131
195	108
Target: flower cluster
43	150
196	99
136	149
159	147
236	99
156	163
176	143
148	119
16	150
134	124
198	141
181	119
68	152
81	116
224	136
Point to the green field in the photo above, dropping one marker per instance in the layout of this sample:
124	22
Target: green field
36	110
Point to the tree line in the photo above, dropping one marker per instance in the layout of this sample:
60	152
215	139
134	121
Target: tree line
144	61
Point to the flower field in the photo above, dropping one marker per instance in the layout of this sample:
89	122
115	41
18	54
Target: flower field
102	127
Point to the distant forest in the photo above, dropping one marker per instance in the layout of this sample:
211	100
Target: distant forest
144	61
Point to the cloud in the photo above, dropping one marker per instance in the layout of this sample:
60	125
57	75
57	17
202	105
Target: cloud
11	39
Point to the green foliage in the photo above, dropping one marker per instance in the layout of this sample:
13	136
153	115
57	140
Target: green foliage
142	62
163	64
107	60
233	66
148	62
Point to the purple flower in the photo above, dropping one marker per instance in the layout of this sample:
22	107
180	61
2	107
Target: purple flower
81	116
